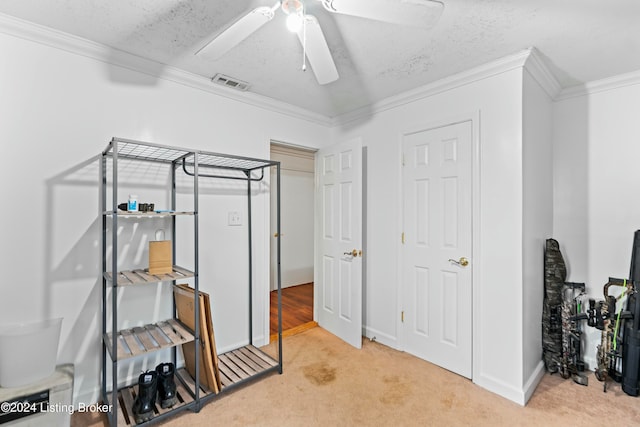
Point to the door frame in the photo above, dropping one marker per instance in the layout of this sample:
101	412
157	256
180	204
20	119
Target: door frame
474	118
267	312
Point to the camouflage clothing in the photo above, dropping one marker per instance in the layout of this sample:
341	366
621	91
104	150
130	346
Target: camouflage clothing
555	273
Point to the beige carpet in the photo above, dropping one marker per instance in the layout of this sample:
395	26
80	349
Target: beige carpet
326	382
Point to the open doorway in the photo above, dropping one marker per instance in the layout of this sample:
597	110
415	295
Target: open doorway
297	192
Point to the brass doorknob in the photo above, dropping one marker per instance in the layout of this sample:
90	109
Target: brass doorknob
353	253
463	262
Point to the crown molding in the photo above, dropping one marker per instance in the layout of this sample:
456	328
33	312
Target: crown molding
610	83
537	68
472	75
57	39
528	58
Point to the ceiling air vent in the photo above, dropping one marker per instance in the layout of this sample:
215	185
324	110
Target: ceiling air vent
227	81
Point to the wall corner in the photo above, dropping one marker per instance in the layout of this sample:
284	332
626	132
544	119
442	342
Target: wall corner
537	67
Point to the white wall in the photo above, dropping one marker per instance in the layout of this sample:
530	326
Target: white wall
496	100
537	166
58	111
595	162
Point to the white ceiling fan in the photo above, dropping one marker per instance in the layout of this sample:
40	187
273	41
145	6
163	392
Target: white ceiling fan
415	13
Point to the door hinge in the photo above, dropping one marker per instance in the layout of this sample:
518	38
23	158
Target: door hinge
402	159
403	237
402	316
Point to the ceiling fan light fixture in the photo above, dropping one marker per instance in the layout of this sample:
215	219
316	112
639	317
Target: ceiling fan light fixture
295	14
294	22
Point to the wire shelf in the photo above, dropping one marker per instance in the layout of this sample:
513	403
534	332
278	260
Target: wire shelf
138	150
240	365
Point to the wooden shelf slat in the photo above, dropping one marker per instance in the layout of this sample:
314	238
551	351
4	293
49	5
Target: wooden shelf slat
245	359
226	381
120	416
127	398
146	277
158	335
254	358
242	364
149	338
233	370
169	332
141	276
133	345
146	339
190	383
177	326
186	396
261	355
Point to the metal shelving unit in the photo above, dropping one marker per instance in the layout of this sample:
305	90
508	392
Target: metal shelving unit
236	367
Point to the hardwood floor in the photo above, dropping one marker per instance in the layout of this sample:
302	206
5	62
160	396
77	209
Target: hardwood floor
297	308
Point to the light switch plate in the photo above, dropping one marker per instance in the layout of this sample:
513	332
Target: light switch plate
235	218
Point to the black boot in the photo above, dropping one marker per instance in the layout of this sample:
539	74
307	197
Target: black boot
143	405
166	385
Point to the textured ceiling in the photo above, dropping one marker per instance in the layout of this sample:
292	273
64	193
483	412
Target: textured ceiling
580	41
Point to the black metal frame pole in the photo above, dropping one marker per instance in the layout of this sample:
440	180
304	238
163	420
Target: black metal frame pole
196	282
174	350
279	269
114	286
103	207
248	173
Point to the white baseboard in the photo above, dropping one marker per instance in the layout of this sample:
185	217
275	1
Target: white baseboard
533	381
501	389
259	341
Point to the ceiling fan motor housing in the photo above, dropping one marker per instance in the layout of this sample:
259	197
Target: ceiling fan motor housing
291	6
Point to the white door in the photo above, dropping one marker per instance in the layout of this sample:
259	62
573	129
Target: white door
437	259
339	234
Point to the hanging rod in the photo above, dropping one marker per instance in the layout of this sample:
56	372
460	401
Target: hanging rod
248	173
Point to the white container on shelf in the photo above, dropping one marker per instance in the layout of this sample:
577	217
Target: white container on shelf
28	351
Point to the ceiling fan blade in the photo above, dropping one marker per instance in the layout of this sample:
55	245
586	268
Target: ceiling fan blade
317	51
415	13
237	32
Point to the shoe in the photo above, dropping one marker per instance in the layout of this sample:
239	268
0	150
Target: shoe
144	403
166	385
